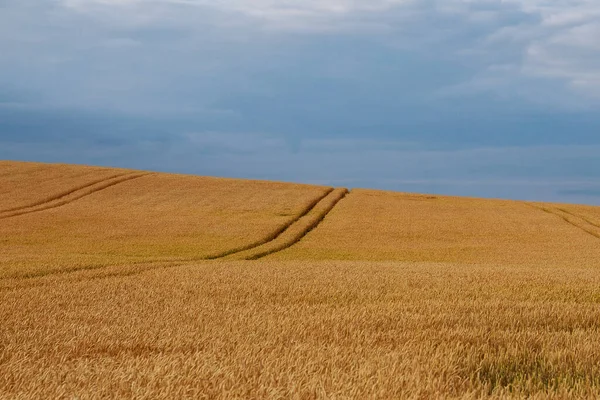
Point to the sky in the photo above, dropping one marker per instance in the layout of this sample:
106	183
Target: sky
488	98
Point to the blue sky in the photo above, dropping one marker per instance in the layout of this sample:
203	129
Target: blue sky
478	98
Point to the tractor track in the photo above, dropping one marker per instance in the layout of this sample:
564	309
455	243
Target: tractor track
297	231
61	194
580	216
273	235
84	274
285	236
568	217
71	195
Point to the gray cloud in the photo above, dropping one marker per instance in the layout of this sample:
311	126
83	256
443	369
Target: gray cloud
585	191
104	53
531	172
461	97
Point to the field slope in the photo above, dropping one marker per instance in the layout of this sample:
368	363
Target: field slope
132	284
377	225
139	218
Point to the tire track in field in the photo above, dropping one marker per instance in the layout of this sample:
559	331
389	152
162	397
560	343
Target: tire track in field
296	231
62	194
74	194
308	219
273	235
573	219
580	216
86	274
286	236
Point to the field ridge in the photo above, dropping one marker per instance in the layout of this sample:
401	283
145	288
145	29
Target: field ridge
71	195
295	232
354	294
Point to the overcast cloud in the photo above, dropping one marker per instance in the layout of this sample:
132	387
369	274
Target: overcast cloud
484	98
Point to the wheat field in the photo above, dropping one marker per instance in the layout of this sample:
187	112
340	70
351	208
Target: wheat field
154	217
26	184
377	225
174	286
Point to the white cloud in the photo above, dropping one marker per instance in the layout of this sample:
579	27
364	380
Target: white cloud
566	45
554	55
555	40
259	7
545	52
571	54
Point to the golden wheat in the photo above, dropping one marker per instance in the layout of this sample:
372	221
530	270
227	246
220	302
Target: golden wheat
470	298
296	231
306	330
376	225
157	217
25	184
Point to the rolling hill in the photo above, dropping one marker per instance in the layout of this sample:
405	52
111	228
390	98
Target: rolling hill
120	283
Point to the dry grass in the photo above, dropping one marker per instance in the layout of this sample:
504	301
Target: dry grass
470	298
375	225
272	330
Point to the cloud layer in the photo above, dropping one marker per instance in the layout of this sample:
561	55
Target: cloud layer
452	95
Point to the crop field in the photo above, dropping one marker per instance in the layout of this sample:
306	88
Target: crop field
147	217
376	225
27	185
131	284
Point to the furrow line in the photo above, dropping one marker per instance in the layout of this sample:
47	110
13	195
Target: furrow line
580	216
60	195
569	220
83	274
273	235
75	195
297	231
310	217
